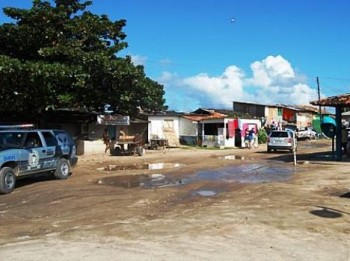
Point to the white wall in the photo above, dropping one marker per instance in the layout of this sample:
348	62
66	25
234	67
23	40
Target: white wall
188	127
157	124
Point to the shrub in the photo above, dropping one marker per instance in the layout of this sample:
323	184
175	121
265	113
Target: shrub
262	135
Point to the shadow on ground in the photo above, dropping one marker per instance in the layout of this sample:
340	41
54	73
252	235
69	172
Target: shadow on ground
327	156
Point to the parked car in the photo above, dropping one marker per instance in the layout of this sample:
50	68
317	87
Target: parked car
306	133
28	152
281	140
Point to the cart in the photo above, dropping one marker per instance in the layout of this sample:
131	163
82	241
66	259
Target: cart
130	145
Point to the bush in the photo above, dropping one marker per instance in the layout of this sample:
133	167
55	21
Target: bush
262	135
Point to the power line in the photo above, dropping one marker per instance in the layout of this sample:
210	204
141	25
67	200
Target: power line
334	78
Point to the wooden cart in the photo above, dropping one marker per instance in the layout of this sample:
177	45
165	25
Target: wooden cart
128	145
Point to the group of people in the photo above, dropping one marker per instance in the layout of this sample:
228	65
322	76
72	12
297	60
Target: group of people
250	138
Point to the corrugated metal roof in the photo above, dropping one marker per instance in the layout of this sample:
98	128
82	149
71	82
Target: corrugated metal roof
166	113
333	101
200	117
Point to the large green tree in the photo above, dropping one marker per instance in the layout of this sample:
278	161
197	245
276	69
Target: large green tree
57	54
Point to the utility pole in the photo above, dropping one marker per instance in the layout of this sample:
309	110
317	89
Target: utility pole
319	98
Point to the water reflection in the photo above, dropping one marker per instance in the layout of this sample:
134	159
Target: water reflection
150	166
205	193
245	173
235	157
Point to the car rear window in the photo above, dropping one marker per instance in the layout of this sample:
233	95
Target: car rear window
279	134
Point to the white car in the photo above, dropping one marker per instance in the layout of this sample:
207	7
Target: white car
281	140
306	133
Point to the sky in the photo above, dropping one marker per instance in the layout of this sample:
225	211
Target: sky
210	53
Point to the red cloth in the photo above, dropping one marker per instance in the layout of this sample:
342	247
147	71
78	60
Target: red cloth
231	129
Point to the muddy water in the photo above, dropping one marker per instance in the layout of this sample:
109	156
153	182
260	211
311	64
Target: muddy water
243	173
248	173
150	166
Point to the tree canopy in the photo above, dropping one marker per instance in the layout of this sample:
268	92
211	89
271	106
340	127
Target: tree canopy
59	55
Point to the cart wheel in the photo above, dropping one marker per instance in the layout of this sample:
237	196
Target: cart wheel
117	151
141	151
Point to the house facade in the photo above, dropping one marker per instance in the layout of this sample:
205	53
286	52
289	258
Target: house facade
164	127
213	129
280	114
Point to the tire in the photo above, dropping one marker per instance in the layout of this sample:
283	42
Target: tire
63	169
268	150
141	151
7	180
117	151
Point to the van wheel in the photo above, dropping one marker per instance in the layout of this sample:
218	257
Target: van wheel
63	169
7	180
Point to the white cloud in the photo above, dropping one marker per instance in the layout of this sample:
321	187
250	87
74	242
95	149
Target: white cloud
138	59
220	91
167	77
273	81
270	69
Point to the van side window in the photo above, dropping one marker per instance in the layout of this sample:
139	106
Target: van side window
33	140
49	138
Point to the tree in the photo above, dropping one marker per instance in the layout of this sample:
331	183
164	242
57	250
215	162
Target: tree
61	55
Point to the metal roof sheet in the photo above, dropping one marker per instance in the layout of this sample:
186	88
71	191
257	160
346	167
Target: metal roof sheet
334	101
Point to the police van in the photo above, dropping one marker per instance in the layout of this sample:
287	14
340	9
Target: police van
26	152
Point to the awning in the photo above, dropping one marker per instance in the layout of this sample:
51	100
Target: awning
107	119
334	101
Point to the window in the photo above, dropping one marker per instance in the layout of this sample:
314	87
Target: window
280	134
32	140
11	139
49	138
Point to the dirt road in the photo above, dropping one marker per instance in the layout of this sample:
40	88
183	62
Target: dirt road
184	204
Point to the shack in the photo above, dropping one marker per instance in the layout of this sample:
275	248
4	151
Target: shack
340	103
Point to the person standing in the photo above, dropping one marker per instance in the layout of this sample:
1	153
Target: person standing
251	138
344	140
255	141
246	137
122	133
106	139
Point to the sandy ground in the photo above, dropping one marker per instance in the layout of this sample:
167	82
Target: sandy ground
102	212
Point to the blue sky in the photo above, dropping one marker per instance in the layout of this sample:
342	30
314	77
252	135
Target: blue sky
271	53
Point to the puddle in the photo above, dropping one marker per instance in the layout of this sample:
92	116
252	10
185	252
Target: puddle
143	181
235	157
150	166
128	181
245	173
155	166
205	193
160	180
